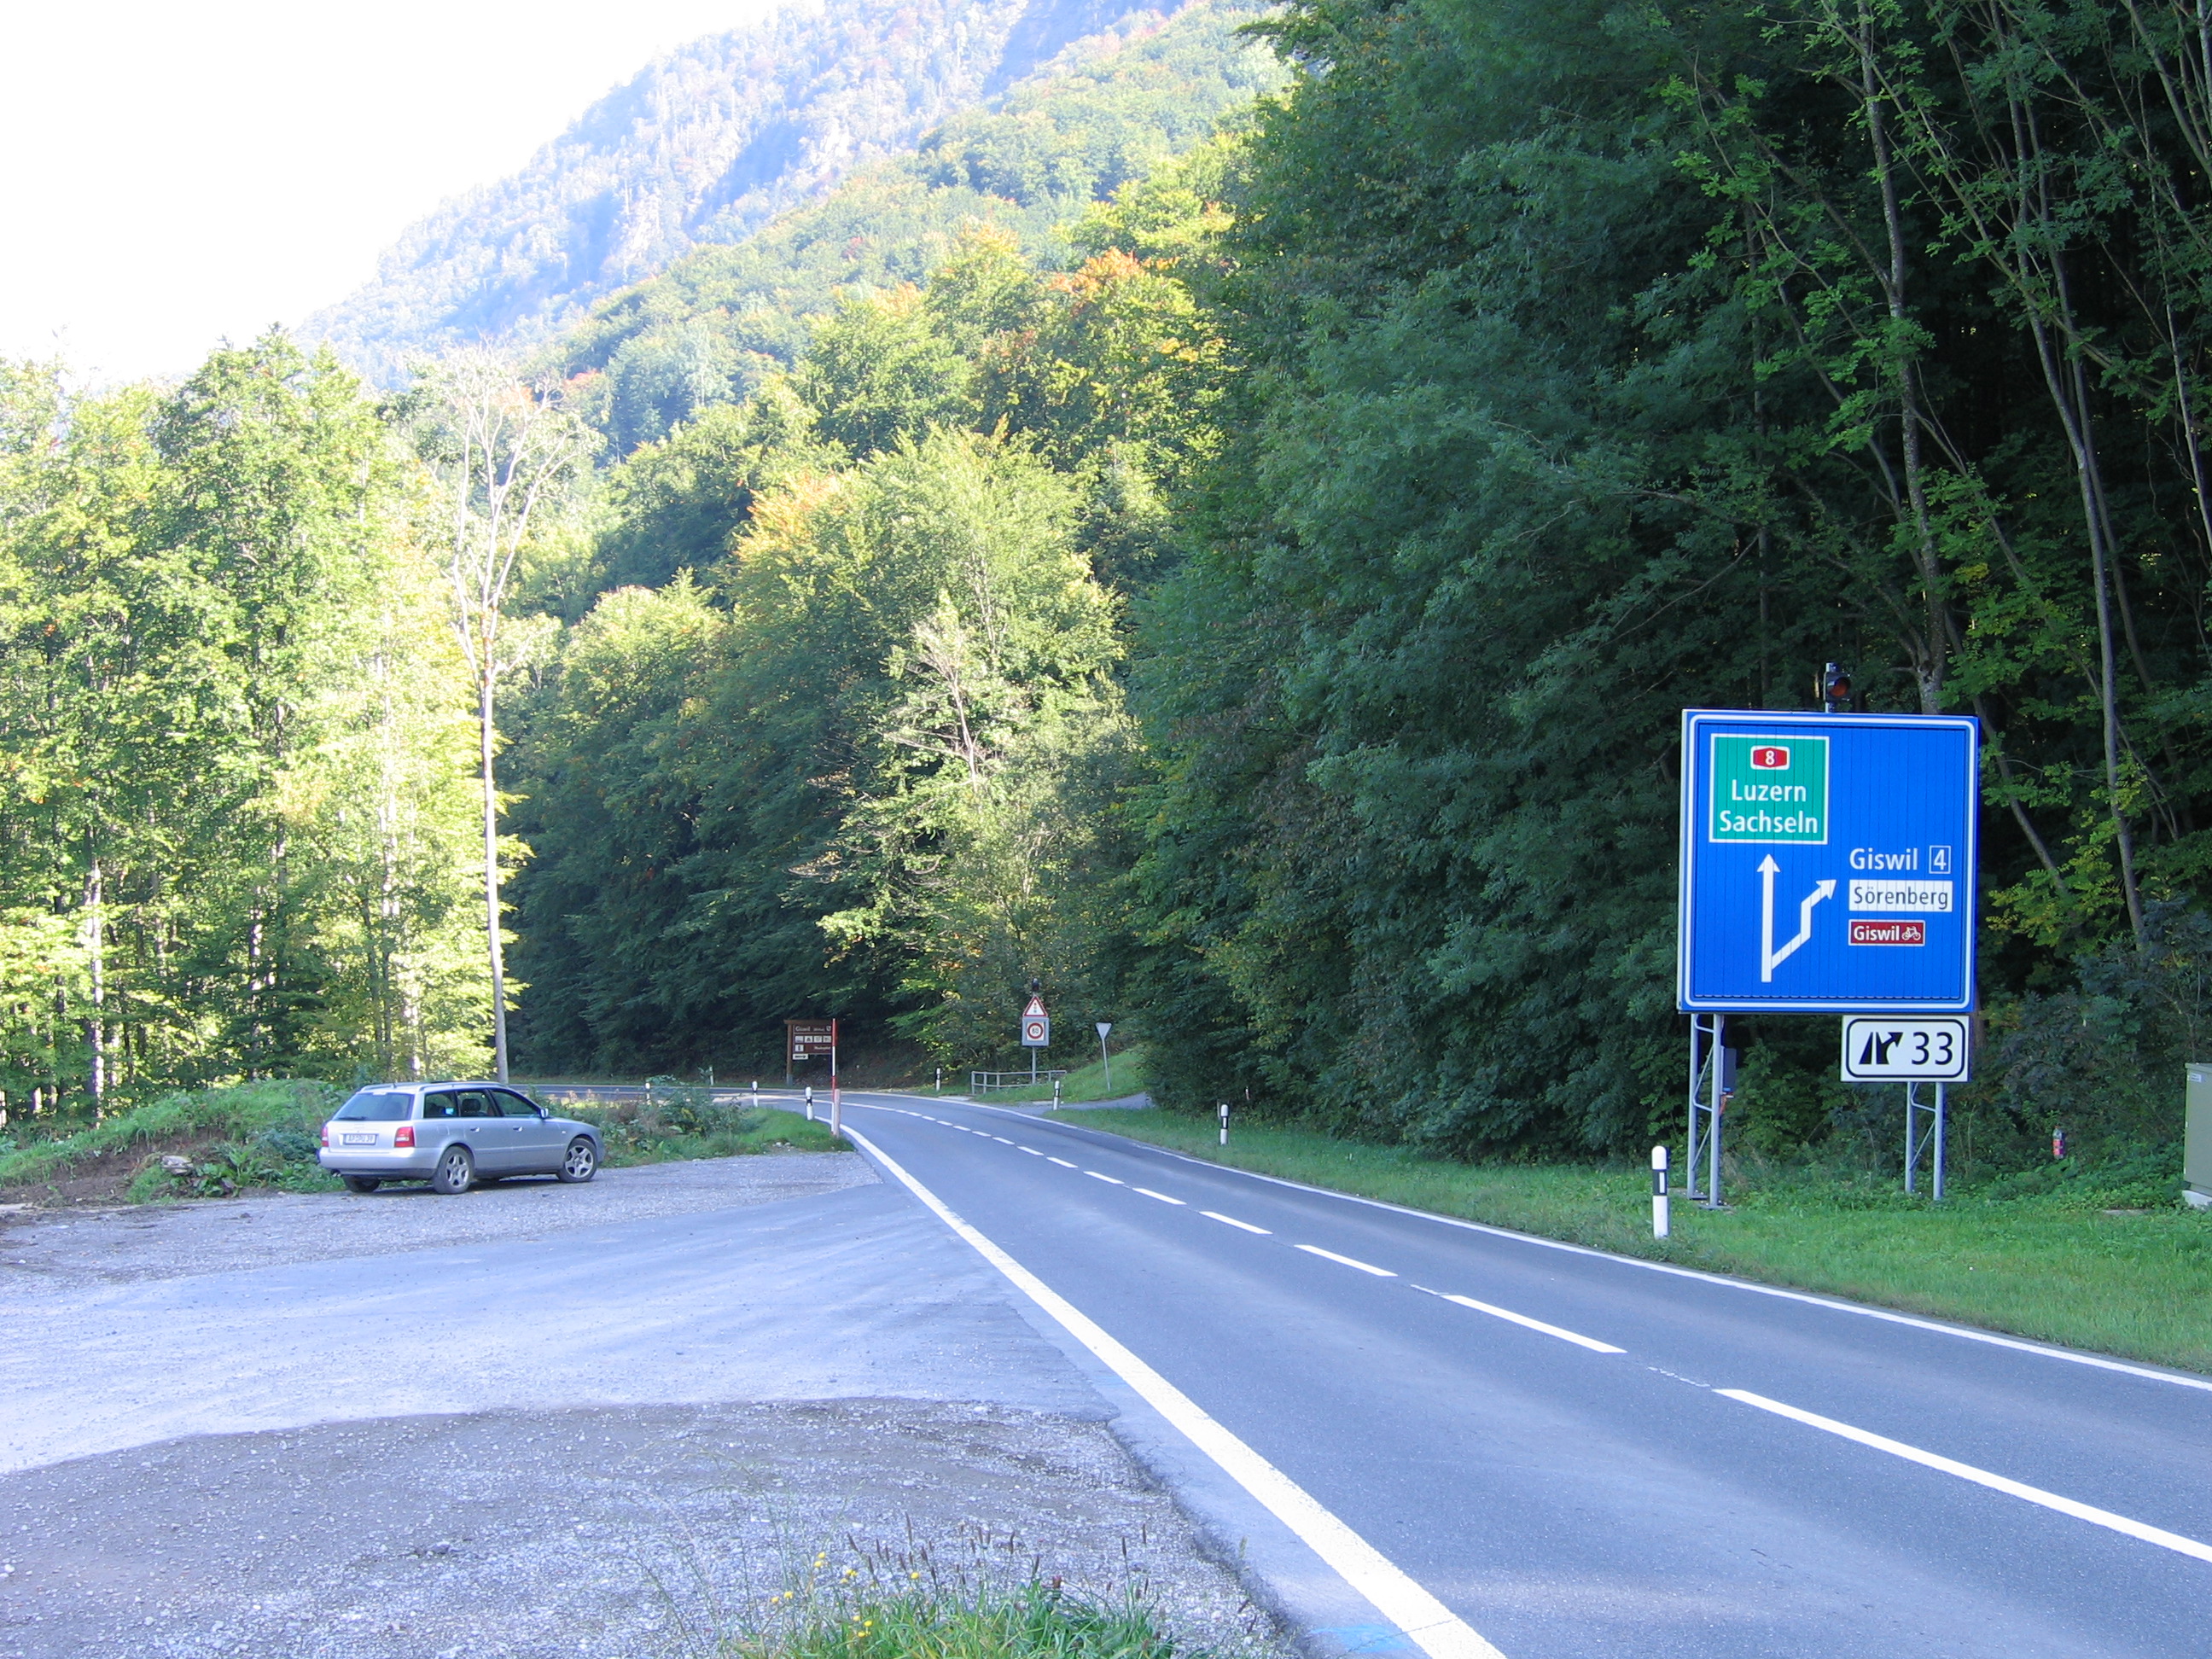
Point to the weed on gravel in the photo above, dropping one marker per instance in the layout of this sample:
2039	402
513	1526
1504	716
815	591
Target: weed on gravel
907	1603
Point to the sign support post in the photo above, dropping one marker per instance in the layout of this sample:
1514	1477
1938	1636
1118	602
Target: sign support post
1712	1075
836	1111
1928	1137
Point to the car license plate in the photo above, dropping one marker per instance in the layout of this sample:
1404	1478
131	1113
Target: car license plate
359	1140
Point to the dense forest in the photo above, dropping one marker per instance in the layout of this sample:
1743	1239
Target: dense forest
1260	610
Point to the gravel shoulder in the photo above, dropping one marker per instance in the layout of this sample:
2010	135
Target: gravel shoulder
624	1532
51	1249
535	1419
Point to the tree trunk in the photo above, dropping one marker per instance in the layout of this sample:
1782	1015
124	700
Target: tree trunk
95	1027
485	736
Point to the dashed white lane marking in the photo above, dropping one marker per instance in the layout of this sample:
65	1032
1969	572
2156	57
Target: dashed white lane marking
1062	1162
1231	1221
1002	1140
1149	1193
1349	1261
1033	1152
1886	1315
1512	1318
2049	1500
1116	1179
1435	1628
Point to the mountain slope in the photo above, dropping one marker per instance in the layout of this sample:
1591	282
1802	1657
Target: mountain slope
706	329
705	145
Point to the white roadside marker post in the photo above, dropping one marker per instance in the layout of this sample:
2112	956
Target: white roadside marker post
1659	1218
1224	1123
1055	1094
809	1103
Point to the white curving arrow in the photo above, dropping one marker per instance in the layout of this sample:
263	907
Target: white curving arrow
1768	957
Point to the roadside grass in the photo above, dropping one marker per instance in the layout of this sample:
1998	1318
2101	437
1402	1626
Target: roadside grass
2041	1265
250	1135
960	1602
1035	1621
679	1128
1085	1083
263	1137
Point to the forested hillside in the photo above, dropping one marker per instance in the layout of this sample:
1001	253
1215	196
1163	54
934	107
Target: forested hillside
1265	616
709	328
703	146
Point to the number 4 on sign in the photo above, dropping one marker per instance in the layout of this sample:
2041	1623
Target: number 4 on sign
1768	957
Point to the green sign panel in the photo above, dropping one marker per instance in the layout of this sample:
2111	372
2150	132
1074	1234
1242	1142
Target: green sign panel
1770	788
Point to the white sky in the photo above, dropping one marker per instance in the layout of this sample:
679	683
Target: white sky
176	170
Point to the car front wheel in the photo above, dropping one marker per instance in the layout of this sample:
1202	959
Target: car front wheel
582	1162
456	1170
360	1183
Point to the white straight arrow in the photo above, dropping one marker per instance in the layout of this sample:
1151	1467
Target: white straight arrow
1768	957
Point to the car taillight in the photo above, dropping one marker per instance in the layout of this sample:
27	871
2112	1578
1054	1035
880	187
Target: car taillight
326	1134
404	1135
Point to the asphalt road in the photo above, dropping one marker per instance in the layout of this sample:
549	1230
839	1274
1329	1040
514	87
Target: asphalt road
1587	1455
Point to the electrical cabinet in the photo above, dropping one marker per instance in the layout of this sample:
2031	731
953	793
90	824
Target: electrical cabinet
2197	1154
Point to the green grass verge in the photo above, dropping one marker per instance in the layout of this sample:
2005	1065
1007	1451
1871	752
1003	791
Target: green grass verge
2038	1265
1035	1621
262	1137
253	1134
633	1135
1090	1082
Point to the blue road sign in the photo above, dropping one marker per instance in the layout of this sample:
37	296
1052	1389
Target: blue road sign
1828	863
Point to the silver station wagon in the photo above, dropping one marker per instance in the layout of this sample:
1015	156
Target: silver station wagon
452	1135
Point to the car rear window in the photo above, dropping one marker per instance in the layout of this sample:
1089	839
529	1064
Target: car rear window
377	1106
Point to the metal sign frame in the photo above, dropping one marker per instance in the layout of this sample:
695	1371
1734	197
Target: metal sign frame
1815	823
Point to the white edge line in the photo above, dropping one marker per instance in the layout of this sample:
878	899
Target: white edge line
1512	1318
1349	1261
2049	1500
1440	1632
1216	1215
2018	1345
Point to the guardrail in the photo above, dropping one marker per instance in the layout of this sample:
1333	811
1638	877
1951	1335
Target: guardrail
980	1083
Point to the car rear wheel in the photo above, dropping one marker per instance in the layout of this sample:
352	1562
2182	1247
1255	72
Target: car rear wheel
582	1162
360	1183
456	1170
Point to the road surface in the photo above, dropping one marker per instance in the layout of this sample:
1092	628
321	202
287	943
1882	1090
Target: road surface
1576	1454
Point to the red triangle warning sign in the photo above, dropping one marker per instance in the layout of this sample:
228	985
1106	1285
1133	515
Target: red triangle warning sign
1036	1010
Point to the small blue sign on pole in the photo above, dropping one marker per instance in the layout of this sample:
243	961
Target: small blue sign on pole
1828	862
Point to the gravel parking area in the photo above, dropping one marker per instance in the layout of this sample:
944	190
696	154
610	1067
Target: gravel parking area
627	1532
53	1249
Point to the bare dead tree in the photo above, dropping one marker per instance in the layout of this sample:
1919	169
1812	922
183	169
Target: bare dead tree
502	450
